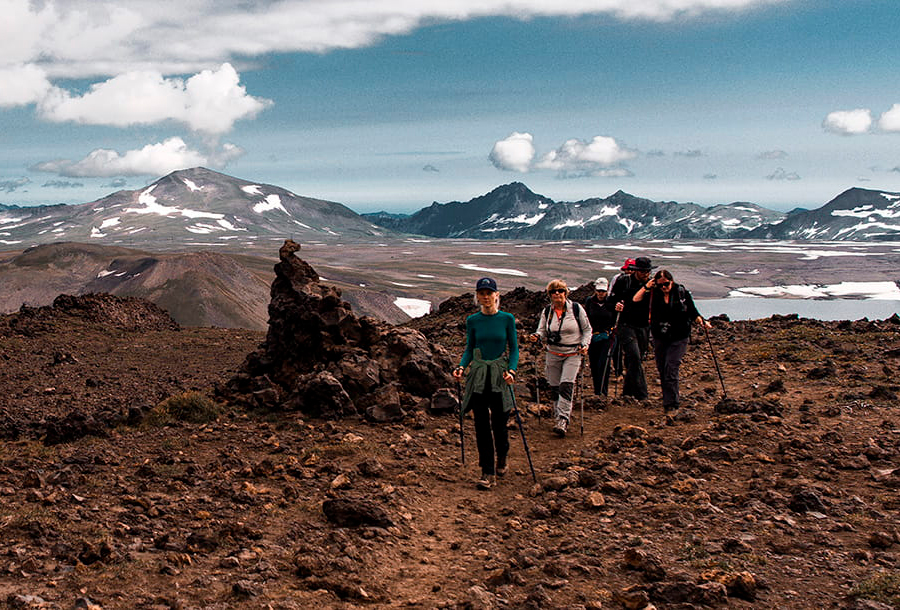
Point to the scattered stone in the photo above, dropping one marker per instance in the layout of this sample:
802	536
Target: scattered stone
443	402
688	592
881	540
632	598
738	584
246	588
650	566
370	468
806	499
478	598
355	512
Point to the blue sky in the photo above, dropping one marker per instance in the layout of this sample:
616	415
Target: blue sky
780	102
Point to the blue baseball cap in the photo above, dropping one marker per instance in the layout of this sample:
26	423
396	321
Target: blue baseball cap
486	283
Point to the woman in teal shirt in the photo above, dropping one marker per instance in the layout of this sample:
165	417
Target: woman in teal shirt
489	333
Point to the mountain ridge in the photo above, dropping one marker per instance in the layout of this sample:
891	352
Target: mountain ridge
513	211
184	206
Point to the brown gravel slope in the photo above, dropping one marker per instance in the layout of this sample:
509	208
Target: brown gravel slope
789	503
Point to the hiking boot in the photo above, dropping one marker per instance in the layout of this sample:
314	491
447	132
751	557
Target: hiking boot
560	428
485	482
502	466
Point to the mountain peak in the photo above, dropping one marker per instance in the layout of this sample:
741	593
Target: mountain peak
512	187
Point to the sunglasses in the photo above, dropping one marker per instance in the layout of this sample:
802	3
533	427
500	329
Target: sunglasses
664	284
557	291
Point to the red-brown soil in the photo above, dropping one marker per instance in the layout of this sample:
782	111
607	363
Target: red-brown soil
791	504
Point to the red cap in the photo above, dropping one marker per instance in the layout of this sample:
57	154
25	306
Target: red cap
628	264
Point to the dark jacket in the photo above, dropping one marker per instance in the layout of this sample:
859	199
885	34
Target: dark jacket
672	321
601	318
636	315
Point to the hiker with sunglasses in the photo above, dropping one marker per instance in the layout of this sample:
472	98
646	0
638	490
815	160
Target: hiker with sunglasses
565	329
672	311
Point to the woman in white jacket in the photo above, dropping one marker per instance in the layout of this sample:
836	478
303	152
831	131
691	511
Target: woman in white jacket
566	331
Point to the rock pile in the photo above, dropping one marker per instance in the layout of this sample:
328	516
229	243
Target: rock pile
321	359
123	313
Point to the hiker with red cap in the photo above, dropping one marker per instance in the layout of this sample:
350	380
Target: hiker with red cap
633	331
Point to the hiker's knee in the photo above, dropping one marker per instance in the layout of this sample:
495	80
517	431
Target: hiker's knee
566	389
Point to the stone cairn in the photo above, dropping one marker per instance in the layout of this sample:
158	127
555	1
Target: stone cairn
321	359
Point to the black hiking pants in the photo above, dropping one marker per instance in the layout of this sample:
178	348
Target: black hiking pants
668	360
491	433
597	354
635	342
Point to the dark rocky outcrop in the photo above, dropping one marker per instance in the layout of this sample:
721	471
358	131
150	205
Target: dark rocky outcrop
321	359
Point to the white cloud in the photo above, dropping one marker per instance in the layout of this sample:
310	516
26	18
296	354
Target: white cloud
848	122
890	120
514	153
78	38
599	157
151	160
9	186
210	101
772	154
23	84
780	174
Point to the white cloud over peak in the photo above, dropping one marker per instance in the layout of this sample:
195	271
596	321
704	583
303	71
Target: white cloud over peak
848	122
209	102
599	157
890	120
80	38
151	160
514	153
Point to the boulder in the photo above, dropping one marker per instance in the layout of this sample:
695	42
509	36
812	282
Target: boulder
327	361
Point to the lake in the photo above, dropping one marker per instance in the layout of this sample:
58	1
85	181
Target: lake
752	308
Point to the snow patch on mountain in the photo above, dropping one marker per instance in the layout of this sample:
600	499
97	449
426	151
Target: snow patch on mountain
152	207
271	202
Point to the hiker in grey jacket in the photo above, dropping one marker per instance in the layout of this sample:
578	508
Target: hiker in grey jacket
566	331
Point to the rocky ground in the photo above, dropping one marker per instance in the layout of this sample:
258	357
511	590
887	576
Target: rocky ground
785	495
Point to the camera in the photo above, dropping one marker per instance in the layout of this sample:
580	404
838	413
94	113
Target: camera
554	337
664	328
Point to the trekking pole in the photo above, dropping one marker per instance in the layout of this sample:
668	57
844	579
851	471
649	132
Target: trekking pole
522	432
715	360
537	386
613	339
462	436
581	392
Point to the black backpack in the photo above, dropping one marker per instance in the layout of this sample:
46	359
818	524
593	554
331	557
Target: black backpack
576	311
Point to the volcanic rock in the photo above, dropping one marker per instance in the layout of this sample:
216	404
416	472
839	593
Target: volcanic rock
327	361
350	511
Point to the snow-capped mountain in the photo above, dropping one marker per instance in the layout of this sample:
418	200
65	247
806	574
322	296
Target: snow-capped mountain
192	205
856	214
513	211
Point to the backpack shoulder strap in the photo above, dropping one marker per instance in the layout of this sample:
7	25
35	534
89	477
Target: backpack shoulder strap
576	311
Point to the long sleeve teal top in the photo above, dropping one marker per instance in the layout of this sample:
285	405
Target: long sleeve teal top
492	335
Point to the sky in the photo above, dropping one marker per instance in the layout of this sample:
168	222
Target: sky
394	105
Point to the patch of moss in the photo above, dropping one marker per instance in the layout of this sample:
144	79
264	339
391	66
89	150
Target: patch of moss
192	407
883	587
